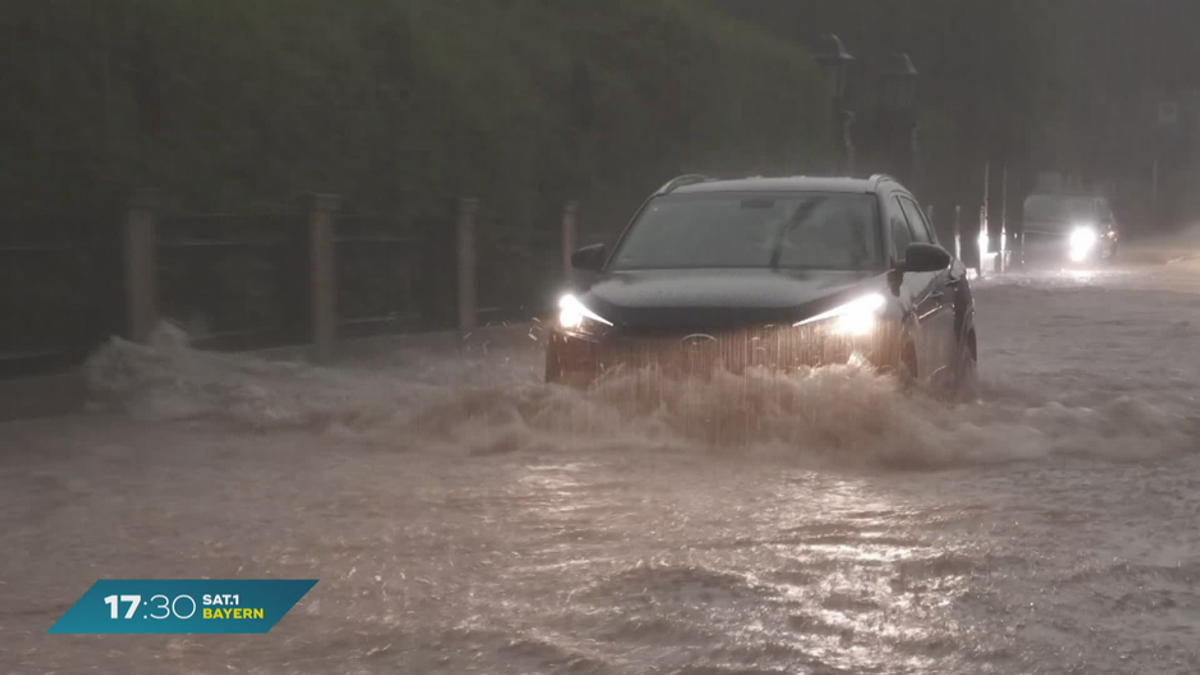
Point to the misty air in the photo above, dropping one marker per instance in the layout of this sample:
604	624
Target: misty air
684	337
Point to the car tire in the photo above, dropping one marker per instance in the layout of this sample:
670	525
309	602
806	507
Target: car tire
553	372
906	368
966	375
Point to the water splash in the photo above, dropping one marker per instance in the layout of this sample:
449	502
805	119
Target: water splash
495	403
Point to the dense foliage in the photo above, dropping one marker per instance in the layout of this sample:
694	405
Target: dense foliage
399	104
395	104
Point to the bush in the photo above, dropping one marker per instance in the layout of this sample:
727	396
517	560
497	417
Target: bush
395	104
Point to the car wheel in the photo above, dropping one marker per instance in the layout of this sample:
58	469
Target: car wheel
906	369
553	367
966	385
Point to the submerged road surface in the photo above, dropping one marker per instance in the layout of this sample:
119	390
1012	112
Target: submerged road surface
464	518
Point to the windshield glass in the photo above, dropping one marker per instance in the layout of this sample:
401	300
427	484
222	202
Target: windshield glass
790	231
1058	208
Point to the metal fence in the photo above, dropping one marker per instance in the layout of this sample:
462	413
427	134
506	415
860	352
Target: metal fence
394	275
235	281
518	273
60	289
238	281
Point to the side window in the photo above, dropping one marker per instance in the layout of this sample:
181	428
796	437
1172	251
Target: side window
898	224
921	230
1103	211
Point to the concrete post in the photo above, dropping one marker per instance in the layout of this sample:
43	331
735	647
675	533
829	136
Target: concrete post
1001	262
468	215
570	232
141	264
958	231
985	230
323	274
981	240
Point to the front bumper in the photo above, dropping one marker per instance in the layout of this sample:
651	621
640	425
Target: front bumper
688	353
1055	249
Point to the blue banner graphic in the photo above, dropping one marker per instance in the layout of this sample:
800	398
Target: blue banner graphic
181	606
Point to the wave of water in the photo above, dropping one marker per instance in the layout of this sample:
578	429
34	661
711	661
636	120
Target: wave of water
494	403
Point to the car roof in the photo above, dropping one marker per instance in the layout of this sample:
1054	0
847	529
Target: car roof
702	184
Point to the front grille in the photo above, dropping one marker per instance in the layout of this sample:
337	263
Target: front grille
776	348
1041	244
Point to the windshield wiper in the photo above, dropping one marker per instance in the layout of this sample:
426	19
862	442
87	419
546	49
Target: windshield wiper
798	217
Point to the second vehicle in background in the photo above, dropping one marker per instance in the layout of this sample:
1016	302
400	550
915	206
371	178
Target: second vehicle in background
1067	229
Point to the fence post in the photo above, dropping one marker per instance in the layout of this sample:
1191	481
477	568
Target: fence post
958	231
981	240
141	264
468	215
985	230
323	274
570	230
1001	263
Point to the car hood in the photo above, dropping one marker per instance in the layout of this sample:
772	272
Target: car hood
715	298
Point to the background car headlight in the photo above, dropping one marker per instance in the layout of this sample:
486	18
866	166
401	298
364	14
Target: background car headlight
1082	239
573	315
853	319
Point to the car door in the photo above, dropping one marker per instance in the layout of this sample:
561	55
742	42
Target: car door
933	302
912	287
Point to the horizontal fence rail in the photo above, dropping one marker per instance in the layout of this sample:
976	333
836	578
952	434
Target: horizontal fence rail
392	275
518	275
59	292
235	281
238	281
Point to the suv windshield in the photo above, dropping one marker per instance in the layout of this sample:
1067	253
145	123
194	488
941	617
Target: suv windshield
1059	209
830	231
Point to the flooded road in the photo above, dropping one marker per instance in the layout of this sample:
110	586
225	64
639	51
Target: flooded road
463	518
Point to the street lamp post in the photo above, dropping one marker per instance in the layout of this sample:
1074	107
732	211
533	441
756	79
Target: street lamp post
895	102
1166	140
835	63
897	97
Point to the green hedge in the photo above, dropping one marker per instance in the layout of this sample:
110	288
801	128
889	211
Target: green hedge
395	104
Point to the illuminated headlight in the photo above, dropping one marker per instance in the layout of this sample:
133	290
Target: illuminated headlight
1081	242
854	319
573	315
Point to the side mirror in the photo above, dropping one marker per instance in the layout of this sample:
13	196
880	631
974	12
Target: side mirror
926	258
589	258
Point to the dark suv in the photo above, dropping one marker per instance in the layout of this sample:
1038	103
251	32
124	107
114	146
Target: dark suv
777	273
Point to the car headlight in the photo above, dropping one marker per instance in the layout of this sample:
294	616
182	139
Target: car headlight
1081	241
855	318
574	316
